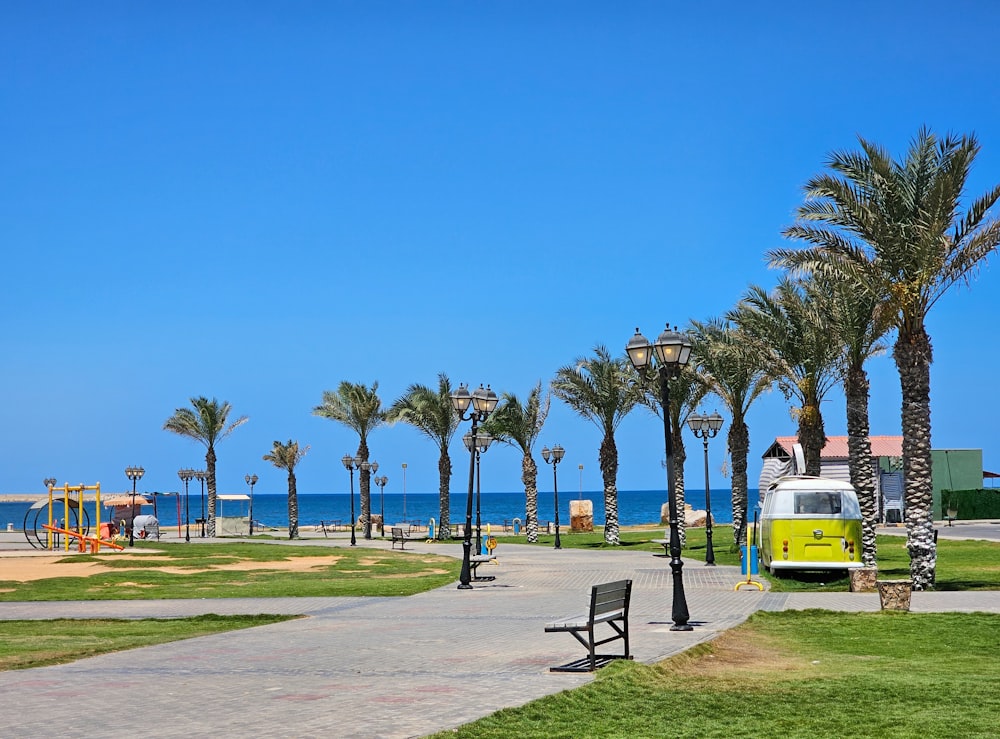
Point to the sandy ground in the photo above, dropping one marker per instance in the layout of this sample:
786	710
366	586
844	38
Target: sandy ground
39	567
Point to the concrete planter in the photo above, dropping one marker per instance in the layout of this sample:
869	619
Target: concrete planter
863	580
894	595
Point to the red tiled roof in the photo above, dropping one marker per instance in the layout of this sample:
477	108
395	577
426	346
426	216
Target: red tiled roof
836	446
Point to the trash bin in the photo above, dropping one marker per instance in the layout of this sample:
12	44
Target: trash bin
754	561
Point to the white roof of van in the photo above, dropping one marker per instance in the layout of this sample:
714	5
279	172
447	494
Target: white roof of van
805	482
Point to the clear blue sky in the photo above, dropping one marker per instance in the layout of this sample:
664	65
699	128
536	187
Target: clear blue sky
257	200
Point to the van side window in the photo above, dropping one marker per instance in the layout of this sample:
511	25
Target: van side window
827	503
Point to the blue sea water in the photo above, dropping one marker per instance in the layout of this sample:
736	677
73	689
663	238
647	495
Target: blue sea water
634	507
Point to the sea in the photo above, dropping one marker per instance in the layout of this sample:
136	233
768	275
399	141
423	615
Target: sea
635	507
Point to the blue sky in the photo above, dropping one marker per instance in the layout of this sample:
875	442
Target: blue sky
255	201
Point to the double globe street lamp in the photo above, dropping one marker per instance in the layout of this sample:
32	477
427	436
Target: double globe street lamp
350	464
381	482
482	443
366	515
482	402
706	427
556	454
672	352
134	474
186	476
251	480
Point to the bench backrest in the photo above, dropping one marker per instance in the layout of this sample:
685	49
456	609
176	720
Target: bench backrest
397	532
609	597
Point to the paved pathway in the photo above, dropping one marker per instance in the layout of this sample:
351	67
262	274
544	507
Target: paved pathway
382	667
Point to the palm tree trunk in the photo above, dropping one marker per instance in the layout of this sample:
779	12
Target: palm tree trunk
529	476
738	441
210	470
812	435
609	471
680	457
444	483
860	450
366	497
913	357
293	507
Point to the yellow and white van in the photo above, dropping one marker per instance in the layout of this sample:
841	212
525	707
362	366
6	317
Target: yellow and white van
810	523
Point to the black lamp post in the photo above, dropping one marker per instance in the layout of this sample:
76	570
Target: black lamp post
672	352
382	482
134	474
705	427
251	480
483	441
556	454
201	475
351	464
370	468
482	403
186	475
49	482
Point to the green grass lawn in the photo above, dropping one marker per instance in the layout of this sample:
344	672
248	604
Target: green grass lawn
218	571
25	644
789	674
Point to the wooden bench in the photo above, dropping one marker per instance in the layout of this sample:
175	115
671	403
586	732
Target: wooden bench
608	605
399	537
664	542
327	526
474	562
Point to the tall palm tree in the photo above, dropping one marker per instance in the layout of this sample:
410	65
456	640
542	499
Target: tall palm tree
792	327
686	392
738	373
206	422
897	231
519	424
432	414
358	407
859	325
603	389
285	457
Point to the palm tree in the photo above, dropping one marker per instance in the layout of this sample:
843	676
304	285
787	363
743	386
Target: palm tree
792	327
206	423
519	424
896	230
432	414
859	326
734	370
357	407
686	392
603	389
285	457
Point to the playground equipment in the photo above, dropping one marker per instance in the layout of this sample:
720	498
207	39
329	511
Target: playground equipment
75	519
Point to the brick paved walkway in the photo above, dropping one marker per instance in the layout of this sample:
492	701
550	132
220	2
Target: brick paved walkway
382	667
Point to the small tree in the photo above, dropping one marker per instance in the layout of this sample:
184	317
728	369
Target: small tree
285	457
206	423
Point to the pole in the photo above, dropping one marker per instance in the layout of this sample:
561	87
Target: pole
404	492
555	497
466	576
680	609
381	497
709	552
479	527
187	513
354	541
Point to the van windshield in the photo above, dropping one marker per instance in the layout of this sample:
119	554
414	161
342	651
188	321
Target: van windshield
826	503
